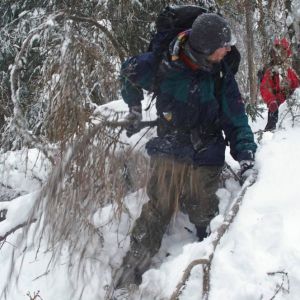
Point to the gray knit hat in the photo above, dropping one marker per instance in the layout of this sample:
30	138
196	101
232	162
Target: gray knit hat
209	32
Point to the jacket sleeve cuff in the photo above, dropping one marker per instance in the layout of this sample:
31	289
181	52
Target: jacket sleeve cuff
134	102
245	155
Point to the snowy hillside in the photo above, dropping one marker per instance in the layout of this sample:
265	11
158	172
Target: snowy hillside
257	258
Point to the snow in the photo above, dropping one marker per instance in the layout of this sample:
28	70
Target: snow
259	253
263	239
50	22
23	171
17	211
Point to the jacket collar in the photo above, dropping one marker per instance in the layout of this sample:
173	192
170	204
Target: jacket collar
188	61
179	50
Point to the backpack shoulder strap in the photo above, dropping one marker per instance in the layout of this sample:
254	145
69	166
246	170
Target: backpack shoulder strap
156	79
219	79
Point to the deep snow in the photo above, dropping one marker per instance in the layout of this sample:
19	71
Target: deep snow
259	253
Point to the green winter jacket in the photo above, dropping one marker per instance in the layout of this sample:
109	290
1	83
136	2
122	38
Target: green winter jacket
203	116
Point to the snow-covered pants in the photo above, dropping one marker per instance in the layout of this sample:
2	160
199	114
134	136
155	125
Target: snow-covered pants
172	186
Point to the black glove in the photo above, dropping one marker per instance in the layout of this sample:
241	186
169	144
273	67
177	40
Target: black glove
247	169
134	118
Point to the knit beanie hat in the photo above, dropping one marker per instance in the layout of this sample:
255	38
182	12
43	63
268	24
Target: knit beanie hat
209	32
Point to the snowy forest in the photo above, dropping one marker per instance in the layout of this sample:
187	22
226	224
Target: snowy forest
72	183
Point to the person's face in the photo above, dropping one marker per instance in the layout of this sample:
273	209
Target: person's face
219	54
279	54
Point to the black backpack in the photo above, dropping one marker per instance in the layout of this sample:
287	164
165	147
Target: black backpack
175	19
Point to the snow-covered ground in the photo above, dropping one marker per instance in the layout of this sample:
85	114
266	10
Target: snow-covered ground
257	258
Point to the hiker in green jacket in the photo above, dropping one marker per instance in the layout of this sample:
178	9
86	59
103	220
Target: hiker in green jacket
200	111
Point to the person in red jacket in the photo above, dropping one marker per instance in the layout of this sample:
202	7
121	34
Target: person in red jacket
279	80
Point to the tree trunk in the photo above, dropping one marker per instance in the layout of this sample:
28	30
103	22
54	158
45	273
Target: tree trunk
250	50
262	32
294	35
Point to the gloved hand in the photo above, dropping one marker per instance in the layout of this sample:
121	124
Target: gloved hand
247	169
134	118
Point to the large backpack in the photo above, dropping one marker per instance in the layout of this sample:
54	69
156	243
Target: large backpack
175	19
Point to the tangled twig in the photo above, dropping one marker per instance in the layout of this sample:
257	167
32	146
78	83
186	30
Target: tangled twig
281	287
36	296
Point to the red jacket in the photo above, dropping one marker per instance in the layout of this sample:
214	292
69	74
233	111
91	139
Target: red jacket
276	88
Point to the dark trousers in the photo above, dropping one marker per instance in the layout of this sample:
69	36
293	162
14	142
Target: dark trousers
272	120
172	186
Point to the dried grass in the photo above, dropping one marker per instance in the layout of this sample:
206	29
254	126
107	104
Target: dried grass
90	176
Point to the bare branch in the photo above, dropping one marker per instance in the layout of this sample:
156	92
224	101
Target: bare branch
281	287
216	240
35	296
186	275
2	238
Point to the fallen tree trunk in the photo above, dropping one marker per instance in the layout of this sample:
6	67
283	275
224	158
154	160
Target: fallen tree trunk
206	262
